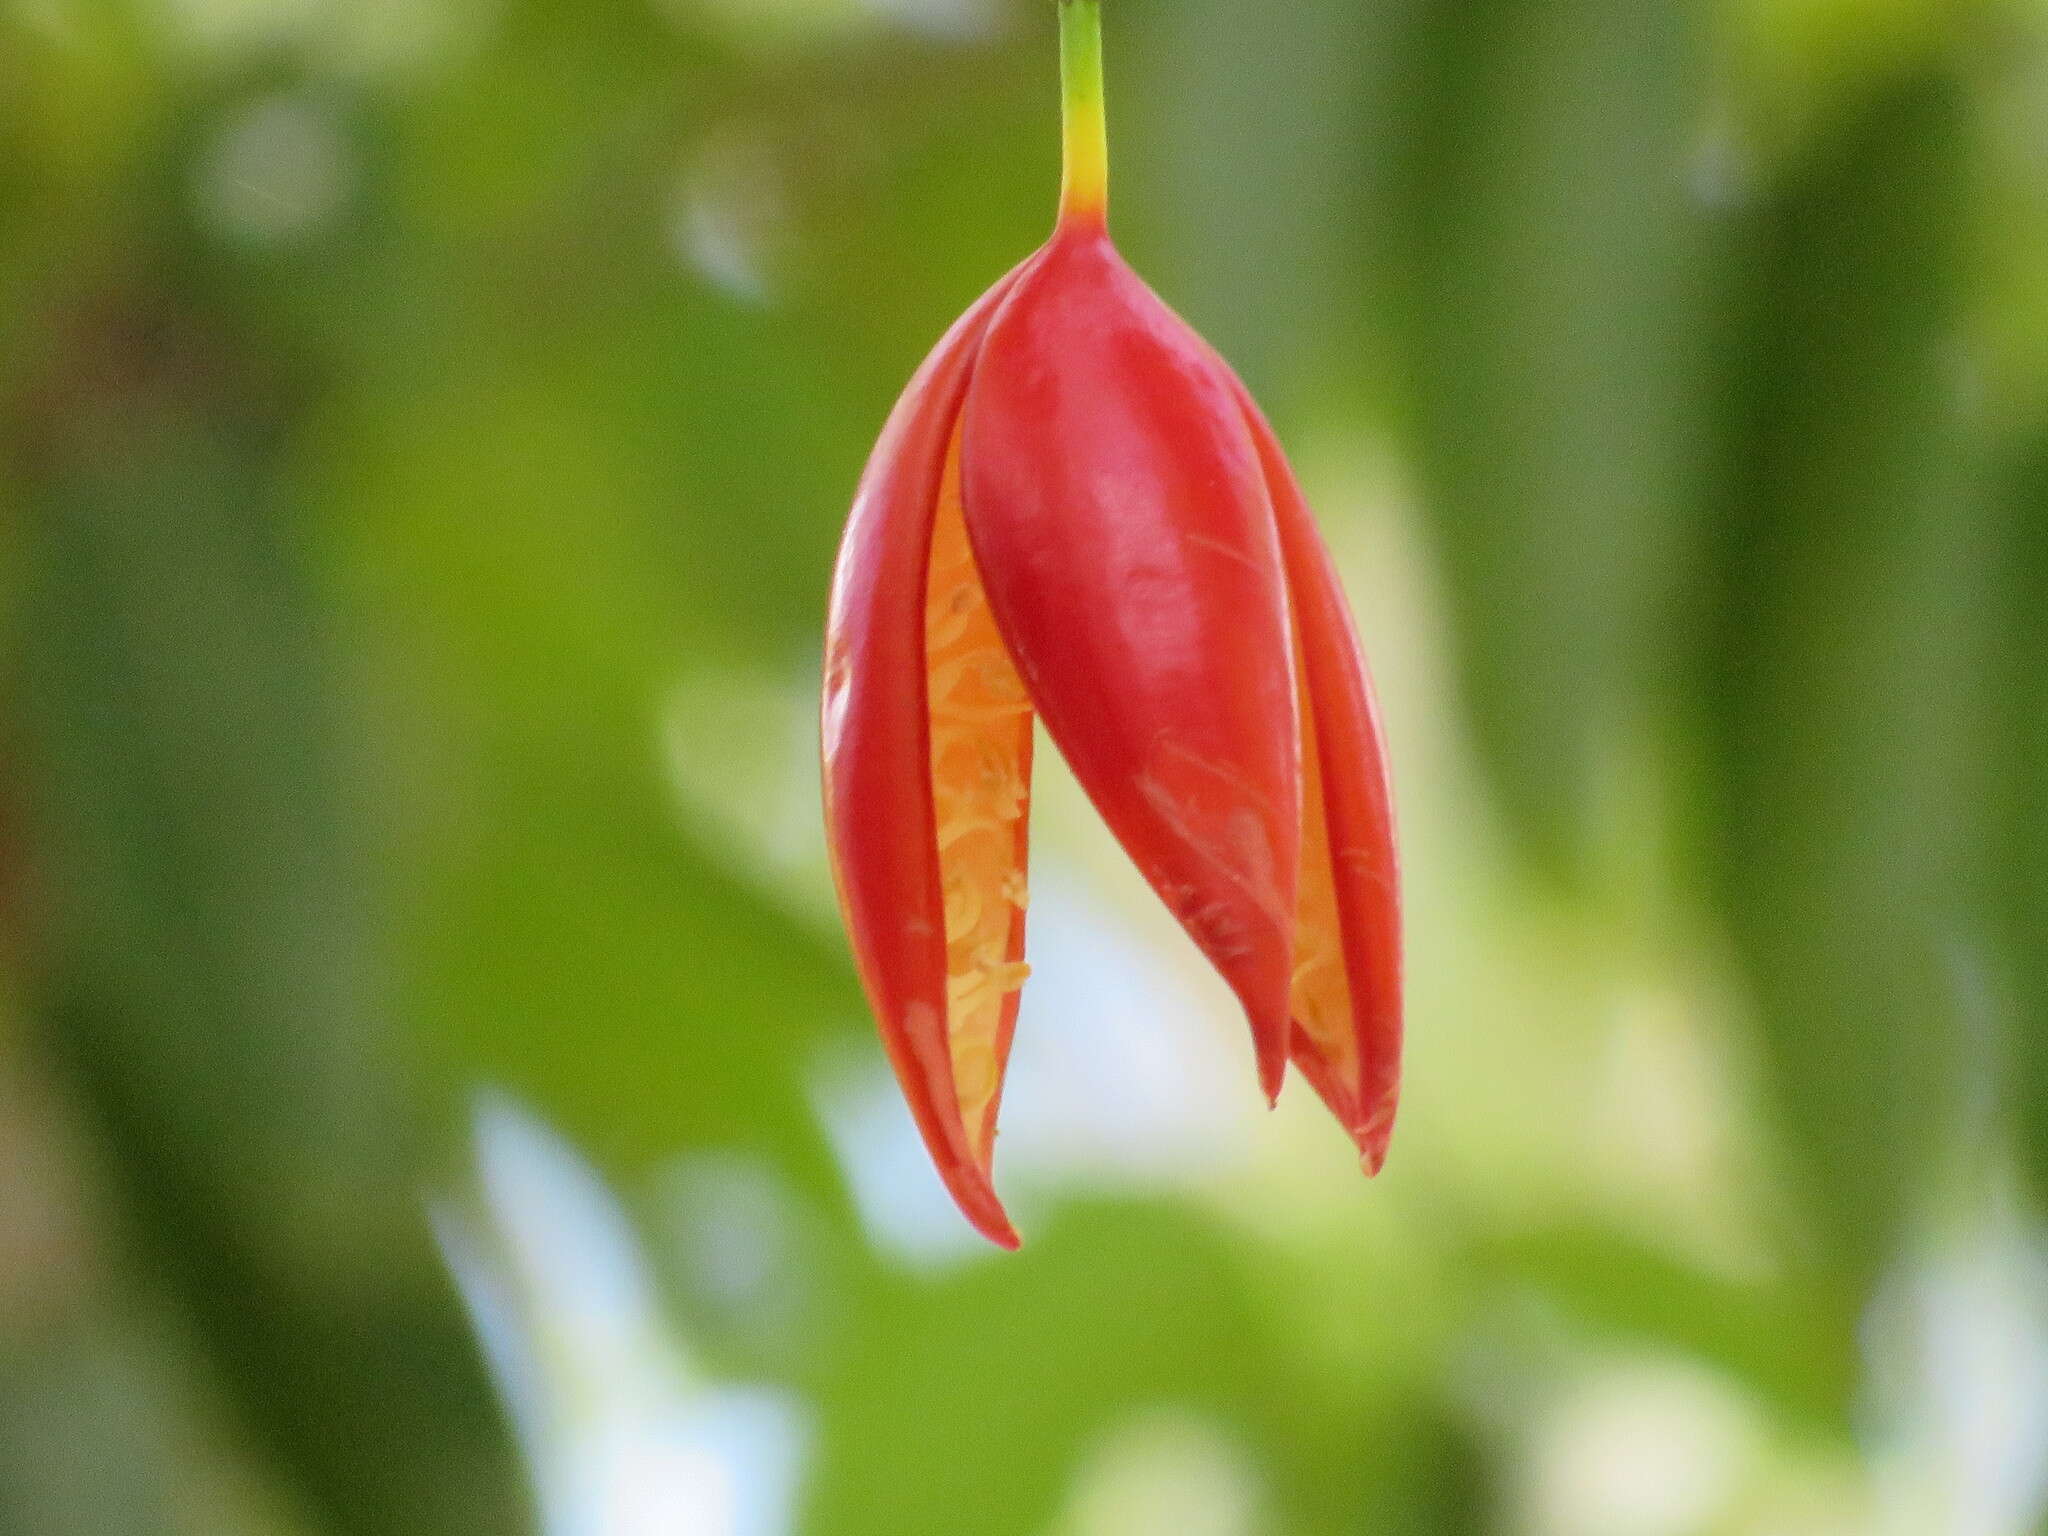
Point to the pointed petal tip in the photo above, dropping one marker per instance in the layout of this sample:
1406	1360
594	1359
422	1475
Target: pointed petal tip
986	1216
1373	1138
974	1193
1269	1043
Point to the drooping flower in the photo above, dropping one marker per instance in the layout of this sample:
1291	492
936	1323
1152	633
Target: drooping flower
1076	513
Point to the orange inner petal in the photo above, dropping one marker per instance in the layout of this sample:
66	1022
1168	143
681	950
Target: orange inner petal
981	788
1321	999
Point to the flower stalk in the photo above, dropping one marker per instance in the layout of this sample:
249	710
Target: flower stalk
1084	178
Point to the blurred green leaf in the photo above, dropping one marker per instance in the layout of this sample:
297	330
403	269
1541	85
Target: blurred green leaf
83	1447
1778	1338
1213	214
1856	547
211	982
967	1402
1553	308
570	939
2020	825
960	1405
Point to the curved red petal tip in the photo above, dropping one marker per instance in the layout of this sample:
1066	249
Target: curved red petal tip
976	1197
1347	993
1272	1063
1119	514
998	1231
1372	1144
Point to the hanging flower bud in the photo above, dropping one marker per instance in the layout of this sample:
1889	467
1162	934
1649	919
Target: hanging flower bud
1076	513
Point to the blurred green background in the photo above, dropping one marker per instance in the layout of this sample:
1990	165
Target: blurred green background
434	1095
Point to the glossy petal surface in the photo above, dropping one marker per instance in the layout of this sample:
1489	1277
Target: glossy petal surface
1347	985
881	823
1119	513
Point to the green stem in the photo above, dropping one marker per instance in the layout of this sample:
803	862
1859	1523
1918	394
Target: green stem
1084	177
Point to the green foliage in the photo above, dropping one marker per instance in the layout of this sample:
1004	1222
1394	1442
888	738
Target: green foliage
1850	649
424	432
1552	269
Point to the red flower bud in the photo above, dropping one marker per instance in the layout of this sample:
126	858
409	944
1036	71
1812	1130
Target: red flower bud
1076	512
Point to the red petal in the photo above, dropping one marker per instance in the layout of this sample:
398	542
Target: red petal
1120	517
1347	1039
879	814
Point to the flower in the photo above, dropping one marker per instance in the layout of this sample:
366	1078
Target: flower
1076	512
